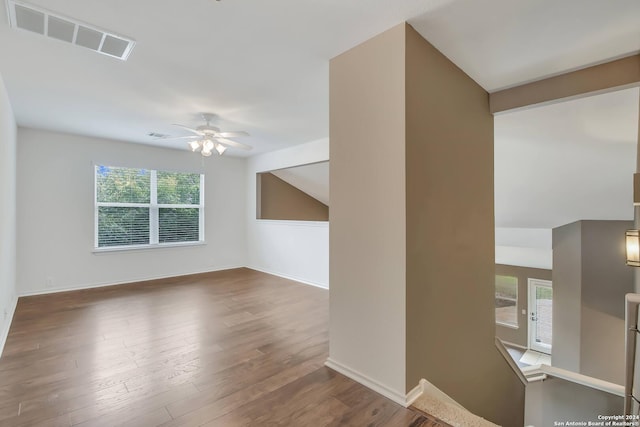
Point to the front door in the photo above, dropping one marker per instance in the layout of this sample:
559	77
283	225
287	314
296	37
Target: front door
540	315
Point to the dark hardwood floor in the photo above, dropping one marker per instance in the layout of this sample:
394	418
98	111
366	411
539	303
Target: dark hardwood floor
231	348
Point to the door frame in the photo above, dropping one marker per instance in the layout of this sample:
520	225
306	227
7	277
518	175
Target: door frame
532	284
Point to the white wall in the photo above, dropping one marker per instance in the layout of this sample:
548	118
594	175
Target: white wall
556	400
297	250
524	247
55	208
8	297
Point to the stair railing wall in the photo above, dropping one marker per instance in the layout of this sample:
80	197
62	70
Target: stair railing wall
631	396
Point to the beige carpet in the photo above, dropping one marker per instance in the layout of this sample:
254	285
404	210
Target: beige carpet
449	412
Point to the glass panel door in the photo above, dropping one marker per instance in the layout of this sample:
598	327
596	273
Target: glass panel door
540	315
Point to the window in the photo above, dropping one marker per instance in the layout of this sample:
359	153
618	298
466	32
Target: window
507	300
141	207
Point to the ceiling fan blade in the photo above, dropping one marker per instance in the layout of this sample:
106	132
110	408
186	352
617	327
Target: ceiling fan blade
171	138
234	144
232	134
197	132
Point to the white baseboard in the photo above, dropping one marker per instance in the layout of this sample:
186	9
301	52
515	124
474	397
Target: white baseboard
5	332
286	276
147	278
124	282
400	398
415	393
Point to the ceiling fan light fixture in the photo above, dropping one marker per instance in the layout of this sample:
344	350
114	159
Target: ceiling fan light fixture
194	145
206	138
207	144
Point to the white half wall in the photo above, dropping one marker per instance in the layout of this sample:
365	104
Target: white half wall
297	250
8	294
55	209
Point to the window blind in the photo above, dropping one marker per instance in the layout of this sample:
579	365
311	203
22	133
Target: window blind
139	207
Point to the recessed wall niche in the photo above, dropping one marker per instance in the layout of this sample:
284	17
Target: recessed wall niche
299	193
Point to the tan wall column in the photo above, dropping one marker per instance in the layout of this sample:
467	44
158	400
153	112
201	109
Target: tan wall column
450	238
367	215
412	227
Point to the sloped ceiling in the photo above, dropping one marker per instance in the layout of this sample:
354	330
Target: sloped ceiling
311	179
567	162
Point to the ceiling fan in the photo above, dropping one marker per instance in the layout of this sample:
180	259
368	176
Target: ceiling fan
206	138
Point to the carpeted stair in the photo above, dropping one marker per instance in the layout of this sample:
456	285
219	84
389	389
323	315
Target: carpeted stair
435	403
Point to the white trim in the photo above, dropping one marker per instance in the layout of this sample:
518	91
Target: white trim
531	330
125	282
510	325
294	278
154	215
512	363
372	384
154	211
323	224
5	333
201	207
413	395
594	383
154	246
96	222
507	325
295	165
512	344
122	205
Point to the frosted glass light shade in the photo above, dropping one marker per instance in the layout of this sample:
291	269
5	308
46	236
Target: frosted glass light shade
633	247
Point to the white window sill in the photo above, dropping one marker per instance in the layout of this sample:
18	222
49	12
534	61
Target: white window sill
111	249
293	222
507	325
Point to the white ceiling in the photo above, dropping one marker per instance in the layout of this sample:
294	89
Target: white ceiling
566	162
313	179
263	66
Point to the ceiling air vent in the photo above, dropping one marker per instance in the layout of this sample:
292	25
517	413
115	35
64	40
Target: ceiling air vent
56	26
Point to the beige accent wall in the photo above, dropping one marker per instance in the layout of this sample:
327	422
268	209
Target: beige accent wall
450	238
590	280
567	296
607	77
606	279
520	336
282	201
412	226
368	219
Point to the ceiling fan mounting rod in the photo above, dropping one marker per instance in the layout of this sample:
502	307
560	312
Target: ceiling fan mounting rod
208	117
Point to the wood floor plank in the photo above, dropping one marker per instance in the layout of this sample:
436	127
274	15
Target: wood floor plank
230	348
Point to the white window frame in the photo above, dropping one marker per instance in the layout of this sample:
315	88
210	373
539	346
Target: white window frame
154	209
505	324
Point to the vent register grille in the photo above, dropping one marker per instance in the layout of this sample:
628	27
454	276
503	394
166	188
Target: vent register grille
55	26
